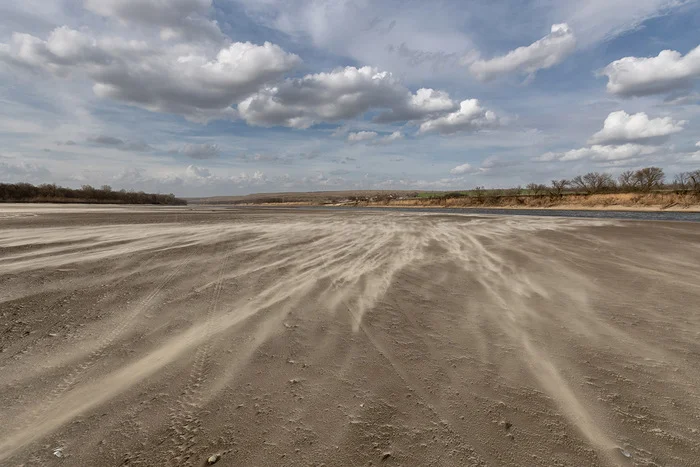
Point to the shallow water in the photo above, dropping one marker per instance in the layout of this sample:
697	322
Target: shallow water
631	215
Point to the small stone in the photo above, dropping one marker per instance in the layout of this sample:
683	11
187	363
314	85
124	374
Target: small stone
386	455
213	459
294	381
625	453
52	334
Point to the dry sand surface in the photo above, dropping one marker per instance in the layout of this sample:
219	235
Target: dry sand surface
162	336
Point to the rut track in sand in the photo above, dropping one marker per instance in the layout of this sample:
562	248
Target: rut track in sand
289	338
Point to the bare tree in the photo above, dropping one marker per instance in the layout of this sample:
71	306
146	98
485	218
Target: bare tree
694	181
558	186
682	181
649	178
536	188
593	182
626	180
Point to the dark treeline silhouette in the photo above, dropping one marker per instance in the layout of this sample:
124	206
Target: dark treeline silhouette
51	193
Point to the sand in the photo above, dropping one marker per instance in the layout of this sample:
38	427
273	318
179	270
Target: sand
162	336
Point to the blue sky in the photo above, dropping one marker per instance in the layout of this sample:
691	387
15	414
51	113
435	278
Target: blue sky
217	97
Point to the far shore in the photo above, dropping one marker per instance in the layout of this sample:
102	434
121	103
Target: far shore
563	207
658	201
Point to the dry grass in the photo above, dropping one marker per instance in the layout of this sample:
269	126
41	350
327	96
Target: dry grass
650	201
597	201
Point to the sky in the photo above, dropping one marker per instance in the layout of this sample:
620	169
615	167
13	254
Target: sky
227	97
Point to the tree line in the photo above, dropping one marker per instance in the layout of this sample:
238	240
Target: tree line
51	193
643	180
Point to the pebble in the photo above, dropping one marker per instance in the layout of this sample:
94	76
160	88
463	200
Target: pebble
213	459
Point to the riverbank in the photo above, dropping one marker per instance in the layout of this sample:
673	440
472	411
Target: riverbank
656	201
596	202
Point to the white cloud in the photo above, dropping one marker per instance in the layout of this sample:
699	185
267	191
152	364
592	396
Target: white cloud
362	136
188	180
192	171
462	169
395	136
199	151
423	103
624	137
600	153
180	79
643	76
372	137
176	18
470	116
620	127
341	94
551	50
23	172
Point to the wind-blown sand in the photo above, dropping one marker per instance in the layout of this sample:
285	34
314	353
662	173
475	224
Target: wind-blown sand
161	336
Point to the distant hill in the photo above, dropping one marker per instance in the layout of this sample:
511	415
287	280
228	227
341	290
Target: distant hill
315	197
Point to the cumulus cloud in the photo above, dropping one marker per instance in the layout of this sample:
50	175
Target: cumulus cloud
470	117
190	180
395	136
423	103
620	127
600	153
322	97
643	76
175	18
372	137
362	136
342	94
551	50
117	143
199	151
182	79
462	169
193	171
624	137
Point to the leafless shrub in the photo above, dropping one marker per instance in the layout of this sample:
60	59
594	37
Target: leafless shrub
649	178
536	189
558	187
593	182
